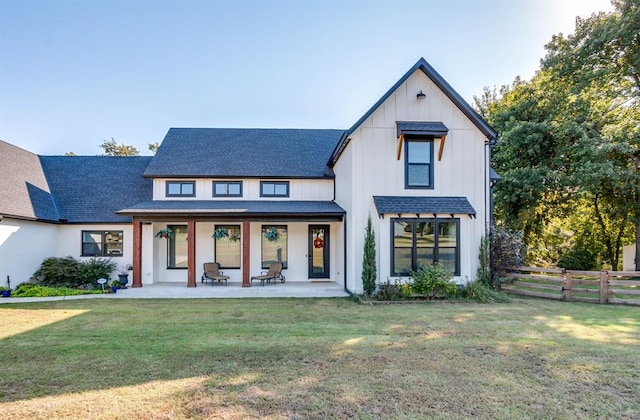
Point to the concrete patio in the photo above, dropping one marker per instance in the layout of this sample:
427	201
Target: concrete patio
208	291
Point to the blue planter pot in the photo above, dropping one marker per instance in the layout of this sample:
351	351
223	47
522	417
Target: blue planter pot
114	289
6	293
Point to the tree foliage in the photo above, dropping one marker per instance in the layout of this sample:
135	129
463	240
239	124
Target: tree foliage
112	148
369	270
570	139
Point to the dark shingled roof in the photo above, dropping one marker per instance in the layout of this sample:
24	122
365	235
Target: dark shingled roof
238	152
90	189
24	192
436	129
235	208
423	205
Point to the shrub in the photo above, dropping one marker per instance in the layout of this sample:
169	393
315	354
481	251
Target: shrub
95	268
433	281
507	250
57	272
369	274
482	293
36	290
393	291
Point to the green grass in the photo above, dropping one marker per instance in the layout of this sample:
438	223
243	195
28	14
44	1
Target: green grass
318	358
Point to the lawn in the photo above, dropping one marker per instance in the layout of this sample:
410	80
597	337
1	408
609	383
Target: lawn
318	358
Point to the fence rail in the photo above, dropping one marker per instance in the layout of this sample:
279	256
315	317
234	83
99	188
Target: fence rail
616	287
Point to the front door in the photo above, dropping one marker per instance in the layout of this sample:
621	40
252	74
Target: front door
318	252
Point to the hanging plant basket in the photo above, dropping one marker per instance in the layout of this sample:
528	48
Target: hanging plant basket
272	234
164	233
220	233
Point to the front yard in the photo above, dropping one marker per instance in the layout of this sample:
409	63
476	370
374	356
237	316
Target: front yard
315	358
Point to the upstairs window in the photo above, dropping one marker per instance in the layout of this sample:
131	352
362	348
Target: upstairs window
98	243
227	188
418	171
181	189
274	188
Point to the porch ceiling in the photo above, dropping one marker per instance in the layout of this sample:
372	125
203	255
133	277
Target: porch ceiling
235	209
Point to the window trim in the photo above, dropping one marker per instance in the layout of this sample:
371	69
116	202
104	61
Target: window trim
285	183
285	263
171	241
214	183
215	246
436	244
407	141
192	183
103	243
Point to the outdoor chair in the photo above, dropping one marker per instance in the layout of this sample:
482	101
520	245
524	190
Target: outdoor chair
273	274
212	273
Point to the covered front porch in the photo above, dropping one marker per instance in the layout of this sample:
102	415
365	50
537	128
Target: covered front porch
170	247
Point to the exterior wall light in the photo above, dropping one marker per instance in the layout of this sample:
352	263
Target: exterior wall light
420	96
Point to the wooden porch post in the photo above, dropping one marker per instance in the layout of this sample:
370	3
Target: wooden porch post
246	257
191	253
137	254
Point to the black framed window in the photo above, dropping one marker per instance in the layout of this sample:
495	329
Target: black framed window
177	255
227	188
418	161
274	188
102	243
274	245
227	245
416	242
181	188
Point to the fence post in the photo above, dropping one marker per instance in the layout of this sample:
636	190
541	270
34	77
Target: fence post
568	285
604	280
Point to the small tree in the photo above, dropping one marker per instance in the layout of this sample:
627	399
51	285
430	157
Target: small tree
369	274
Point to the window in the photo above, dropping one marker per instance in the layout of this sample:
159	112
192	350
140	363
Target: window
274	189
97	243
177	256
227	245
181	189
274	245
418	242
418	171
227	188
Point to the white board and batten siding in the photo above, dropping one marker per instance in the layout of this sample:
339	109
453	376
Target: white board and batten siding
369	167
299	189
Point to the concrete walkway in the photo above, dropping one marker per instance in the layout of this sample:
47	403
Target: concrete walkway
204	291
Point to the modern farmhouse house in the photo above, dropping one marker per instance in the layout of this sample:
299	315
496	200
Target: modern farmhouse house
416	163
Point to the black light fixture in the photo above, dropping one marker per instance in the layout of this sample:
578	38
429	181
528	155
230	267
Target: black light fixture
420	96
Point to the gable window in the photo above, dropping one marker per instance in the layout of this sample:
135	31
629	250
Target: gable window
274	245
227	245
98	243
227	188
418	171
181	189
417	242
177	256
274	188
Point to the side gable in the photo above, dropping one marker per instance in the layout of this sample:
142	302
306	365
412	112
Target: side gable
442	84
24	191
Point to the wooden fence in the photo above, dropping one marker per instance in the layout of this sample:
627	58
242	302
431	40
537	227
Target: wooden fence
617	287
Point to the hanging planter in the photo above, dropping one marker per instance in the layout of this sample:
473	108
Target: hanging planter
164	233
220	233
272	234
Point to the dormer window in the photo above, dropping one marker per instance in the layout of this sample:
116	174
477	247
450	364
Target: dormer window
274	188
181	189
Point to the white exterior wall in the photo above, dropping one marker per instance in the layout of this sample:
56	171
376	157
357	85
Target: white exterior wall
23	246
371	158
299	189
70	243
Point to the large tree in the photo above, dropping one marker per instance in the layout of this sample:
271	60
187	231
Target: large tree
570	137
112	148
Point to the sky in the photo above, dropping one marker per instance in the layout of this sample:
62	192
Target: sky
74	73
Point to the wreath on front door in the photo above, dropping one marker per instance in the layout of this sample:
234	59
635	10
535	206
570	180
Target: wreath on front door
318	243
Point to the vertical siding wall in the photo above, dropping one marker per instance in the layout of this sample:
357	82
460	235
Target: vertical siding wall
371	160
23	246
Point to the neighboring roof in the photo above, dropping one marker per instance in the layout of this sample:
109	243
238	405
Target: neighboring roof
89	189
442	84
240	152
24	191
436	129
423	205
234	208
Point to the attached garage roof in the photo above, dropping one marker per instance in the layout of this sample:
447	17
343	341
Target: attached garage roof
423	205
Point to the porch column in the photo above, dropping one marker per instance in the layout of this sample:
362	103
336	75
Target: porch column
191	253
246	257
137	254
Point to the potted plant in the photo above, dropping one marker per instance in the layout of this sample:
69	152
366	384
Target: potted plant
164	233
272	234
6	292
115	285
220	233
123	276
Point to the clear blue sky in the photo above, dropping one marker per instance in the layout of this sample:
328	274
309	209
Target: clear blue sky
76	72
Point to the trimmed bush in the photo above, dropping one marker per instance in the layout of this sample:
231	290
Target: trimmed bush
69	272
36	290
433	281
